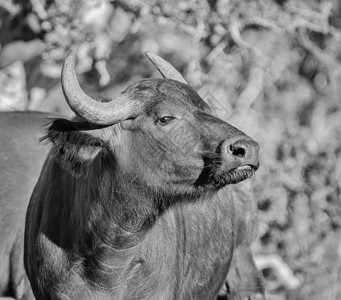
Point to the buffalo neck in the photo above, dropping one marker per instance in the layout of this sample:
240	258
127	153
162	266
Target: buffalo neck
101	204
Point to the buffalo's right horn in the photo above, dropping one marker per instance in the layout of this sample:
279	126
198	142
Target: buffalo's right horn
93	111
164	67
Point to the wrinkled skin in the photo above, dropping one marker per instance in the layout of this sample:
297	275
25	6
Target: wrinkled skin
21	160
141	209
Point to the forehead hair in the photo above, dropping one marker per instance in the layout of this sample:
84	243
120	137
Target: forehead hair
165	93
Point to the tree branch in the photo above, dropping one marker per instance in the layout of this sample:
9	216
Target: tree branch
313	49
256	74
235	28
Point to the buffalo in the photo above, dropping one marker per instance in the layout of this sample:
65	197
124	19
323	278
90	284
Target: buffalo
148	176
21	159
133	201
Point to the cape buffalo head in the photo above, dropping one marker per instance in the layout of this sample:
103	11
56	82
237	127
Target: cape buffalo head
158	135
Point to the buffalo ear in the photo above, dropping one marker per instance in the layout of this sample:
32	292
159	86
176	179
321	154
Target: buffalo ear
74	145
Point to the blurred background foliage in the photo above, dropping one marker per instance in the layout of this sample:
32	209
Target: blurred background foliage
270	67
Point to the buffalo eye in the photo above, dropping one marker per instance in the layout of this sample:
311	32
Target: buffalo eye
165	120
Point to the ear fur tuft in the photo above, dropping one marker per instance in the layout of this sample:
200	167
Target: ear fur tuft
73	148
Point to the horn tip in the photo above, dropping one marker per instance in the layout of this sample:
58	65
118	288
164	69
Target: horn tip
70	56
165	68
149	54
69	64
71	52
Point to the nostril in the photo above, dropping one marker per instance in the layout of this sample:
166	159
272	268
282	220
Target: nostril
237	151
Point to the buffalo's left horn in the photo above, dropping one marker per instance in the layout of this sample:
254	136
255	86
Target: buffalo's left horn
93	111
165	68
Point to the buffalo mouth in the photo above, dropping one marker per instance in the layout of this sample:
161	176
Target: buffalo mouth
234	176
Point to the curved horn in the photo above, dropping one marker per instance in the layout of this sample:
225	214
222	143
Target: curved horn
101	113
165	68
